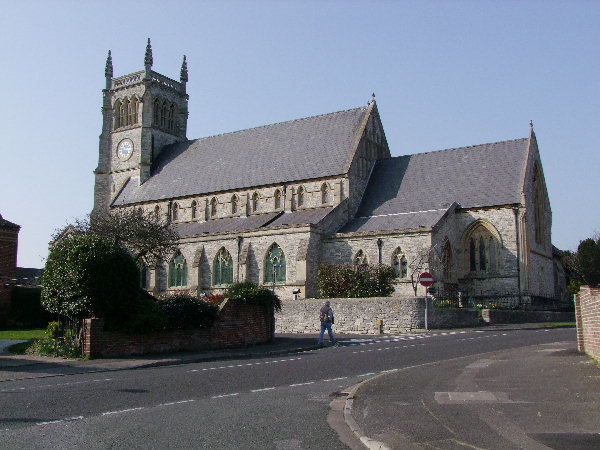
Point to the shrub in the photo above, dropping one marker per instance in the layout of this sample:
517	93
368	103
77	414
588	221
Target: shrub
89	275
355	281
185	311
26	309
146	317
252	294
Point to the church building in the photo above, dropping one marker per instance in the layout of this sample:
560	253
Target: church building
270	204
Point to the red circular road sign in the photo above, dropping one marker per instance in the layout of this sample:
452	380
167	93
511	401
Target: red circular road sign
426	279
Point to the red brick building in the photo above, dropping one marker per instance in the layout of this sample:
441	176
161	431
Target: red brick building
9	238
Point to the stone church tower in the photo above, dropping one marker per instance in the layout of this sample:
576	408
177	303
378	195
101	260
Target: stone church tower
141	112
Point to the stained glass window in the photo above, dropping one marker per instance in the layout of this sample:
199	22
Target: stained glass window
222	268
275	265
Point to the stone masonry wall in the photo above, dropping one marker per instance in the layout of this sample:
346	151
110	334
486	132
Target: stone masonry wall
361	316
587	315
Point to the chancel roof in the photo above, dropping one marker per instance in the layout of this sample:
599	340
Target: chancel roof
412	191
314	147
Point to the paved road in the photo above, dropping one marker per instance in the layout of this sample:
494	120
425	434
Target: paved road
253	400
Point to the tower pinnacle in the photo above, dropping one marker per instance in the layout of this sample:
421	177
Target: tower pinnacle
183	77
108	69
148	57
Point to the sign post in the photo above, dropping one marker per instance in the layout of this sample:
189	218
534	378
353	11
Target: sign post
426	279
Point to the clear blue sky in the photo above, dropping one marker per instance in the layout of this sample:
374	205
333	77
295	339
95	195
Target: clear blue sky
446	74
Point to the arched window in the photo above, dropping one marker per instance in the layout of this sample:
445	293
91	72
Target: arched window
143	277
213	207
157	210
157	113
325	193
234	204
400	264
538	208
127	110
178	272
194	210
172	117
277	199
117	114
360	259
121	115
175	212
275	265
482	249
222	268
164	111
255	199
301	196
133	105
447	262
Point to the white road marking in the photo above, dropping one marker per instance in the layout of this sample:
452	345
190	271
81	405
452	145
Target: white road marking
263	389
122	411
68	419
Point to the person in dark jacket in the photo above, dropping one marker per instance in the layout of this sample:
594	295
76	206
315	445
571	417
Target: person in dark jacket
326	317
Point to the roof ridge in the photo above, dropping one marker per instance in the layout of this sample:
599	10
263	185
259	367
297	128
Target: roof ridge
280	123
468	146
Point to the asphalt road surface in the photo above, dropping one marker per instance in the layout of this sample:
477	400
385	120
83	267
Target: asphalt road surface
268	403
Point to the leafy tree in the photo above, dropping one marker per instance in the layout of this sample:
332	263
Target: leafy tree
583	267
89	275
145	235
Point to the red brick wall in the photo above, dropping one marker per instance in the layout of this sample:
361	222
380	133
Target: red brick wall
8	265
238	325
587	315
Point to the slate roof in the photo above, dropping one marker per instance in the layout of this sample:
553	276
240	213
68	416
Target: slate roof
413	190
253	222
314	147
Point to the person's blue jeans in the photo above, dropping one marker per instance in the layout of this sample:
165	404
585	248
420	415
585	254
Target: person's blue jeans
326	326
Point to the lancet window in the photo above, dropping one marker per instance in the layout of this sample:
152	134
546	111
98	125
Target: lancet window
126	112
399	263
482	248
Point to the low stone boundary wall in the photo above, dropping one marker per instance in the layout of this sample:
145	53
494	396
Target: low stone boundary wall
587	315
238	325
361	315
502	316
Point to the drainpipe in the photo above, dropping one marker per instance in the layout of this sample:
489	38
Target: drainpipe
517	228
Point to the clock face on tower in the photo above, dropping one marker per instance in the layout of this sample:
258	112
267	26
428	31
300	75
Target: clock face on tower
125	149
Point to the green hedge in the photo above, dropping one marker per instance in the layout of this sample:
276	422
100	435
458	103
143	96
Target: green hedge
252	294
348	281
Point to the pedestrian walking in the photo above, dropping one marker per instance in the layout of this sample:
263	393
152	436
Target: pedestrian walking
326	317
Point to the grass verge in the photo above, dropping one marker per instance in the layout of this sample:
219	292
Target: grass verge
21	335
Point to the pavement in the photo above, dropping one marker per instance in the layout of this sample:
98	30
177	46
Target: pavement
536	397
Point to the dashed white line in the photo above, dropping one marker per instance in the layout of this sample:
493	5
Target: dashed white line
302	384
121	411
263	389
68	419
226	395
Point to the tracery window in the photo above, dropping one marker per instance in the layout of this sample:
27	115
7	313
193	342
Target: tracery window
361	259
275	265
255	199
223	268
178	272
301	196
277	199
325	193
234	204
482	248
400	264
